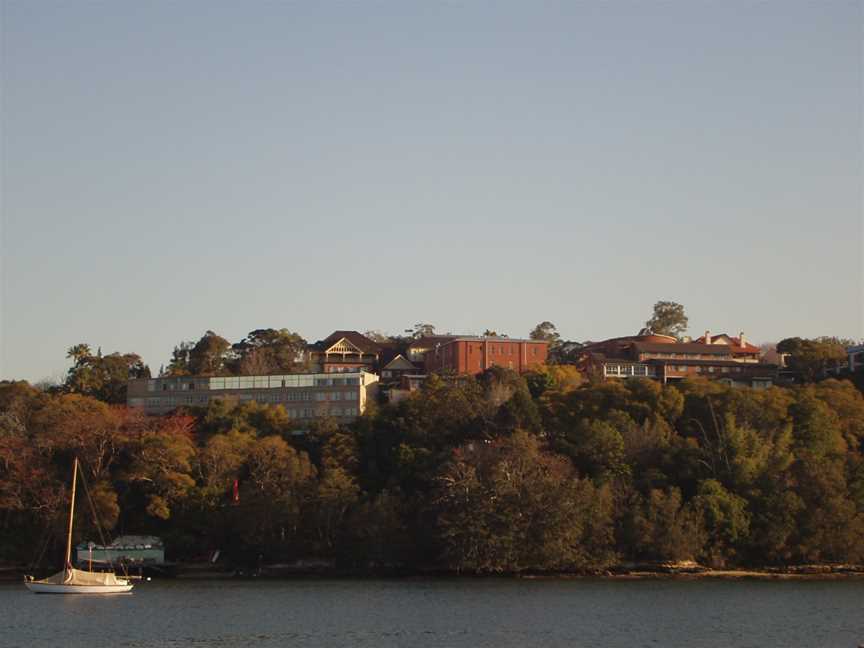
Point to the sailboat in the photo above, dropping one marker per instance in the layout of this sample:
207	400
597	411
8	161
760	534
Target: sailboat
77	581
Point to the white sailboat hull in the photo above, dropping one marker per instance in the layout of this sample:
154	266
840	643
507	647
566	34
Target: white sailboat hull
50	588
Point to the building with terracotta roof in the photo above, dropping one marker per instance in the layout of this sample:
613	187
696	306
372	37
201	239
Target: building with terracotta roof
665	359
741	349
473	355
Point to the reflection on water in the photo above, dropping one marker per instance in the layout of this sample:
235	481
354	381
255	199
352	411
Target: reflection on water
459	613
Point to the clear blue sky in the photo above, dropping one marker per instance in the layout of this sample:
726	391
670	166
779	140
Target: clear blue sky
173	167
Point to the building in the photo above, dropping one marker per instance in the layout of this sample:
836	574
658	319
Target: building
473	355
417	349
304	396
665	359
856	357
344	351
397	367
129	549
740	348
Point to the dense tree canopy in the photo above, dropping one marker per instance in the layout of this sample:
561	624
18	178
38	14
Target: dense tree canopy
814	359
102	377
494	473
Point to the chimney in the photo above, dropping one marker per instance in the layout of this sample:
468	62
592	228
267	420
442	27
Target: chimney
741	342
707	337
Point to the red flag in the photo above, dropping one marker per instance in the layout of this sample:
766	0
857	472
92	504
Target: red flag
235	494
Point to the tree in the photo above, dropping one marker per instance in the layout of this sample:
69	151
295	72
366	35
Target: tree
102	377
813	359
162	463
510	506
668	319
663	528
266	351
208	355
377	336
546	331
725	519
421	330
180	360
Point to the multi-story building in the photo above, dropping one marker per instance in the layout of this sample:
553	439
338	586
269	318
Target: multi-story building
663	358
473	355
343	351
304	396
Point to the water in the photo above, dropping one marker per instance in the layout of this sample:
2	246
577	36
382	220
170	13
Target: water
442	613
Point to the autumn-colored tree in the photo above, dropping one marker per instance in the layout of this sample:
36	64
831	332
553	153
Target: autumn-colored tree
102	377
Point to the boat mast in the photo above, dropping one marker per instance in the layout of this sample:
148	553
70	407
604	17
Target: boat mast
68	564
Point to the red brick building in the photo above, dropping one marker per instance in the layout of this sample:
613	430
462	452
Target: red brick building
473	355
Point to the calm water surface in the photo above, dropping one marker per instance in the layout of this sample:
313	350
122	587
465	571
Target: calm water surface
458	613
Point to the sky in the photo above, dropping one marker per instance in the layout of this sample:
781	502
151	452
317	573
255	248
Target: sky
171	168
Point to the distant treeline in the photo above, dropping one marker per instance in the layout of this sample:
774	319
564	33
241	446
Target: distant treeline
499	473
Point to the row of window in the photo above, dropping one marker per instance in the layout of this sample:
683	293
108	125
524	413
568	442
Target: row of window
306	412
291	396
704	369
311	412
683	356
629	370
251	382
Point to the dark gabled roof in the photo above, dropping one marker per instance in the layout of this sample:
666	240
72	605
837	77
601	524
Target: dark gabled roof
354	337
683	347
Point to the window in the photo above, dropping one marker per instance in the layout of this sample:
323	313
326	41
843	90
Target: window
350	395
320	396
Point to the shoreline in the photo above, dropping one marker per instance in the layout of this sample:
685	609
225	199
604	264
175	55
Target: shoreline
638	573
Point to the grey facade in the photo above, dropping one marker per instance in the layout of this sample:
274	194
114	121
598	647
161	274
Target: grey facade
304	396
